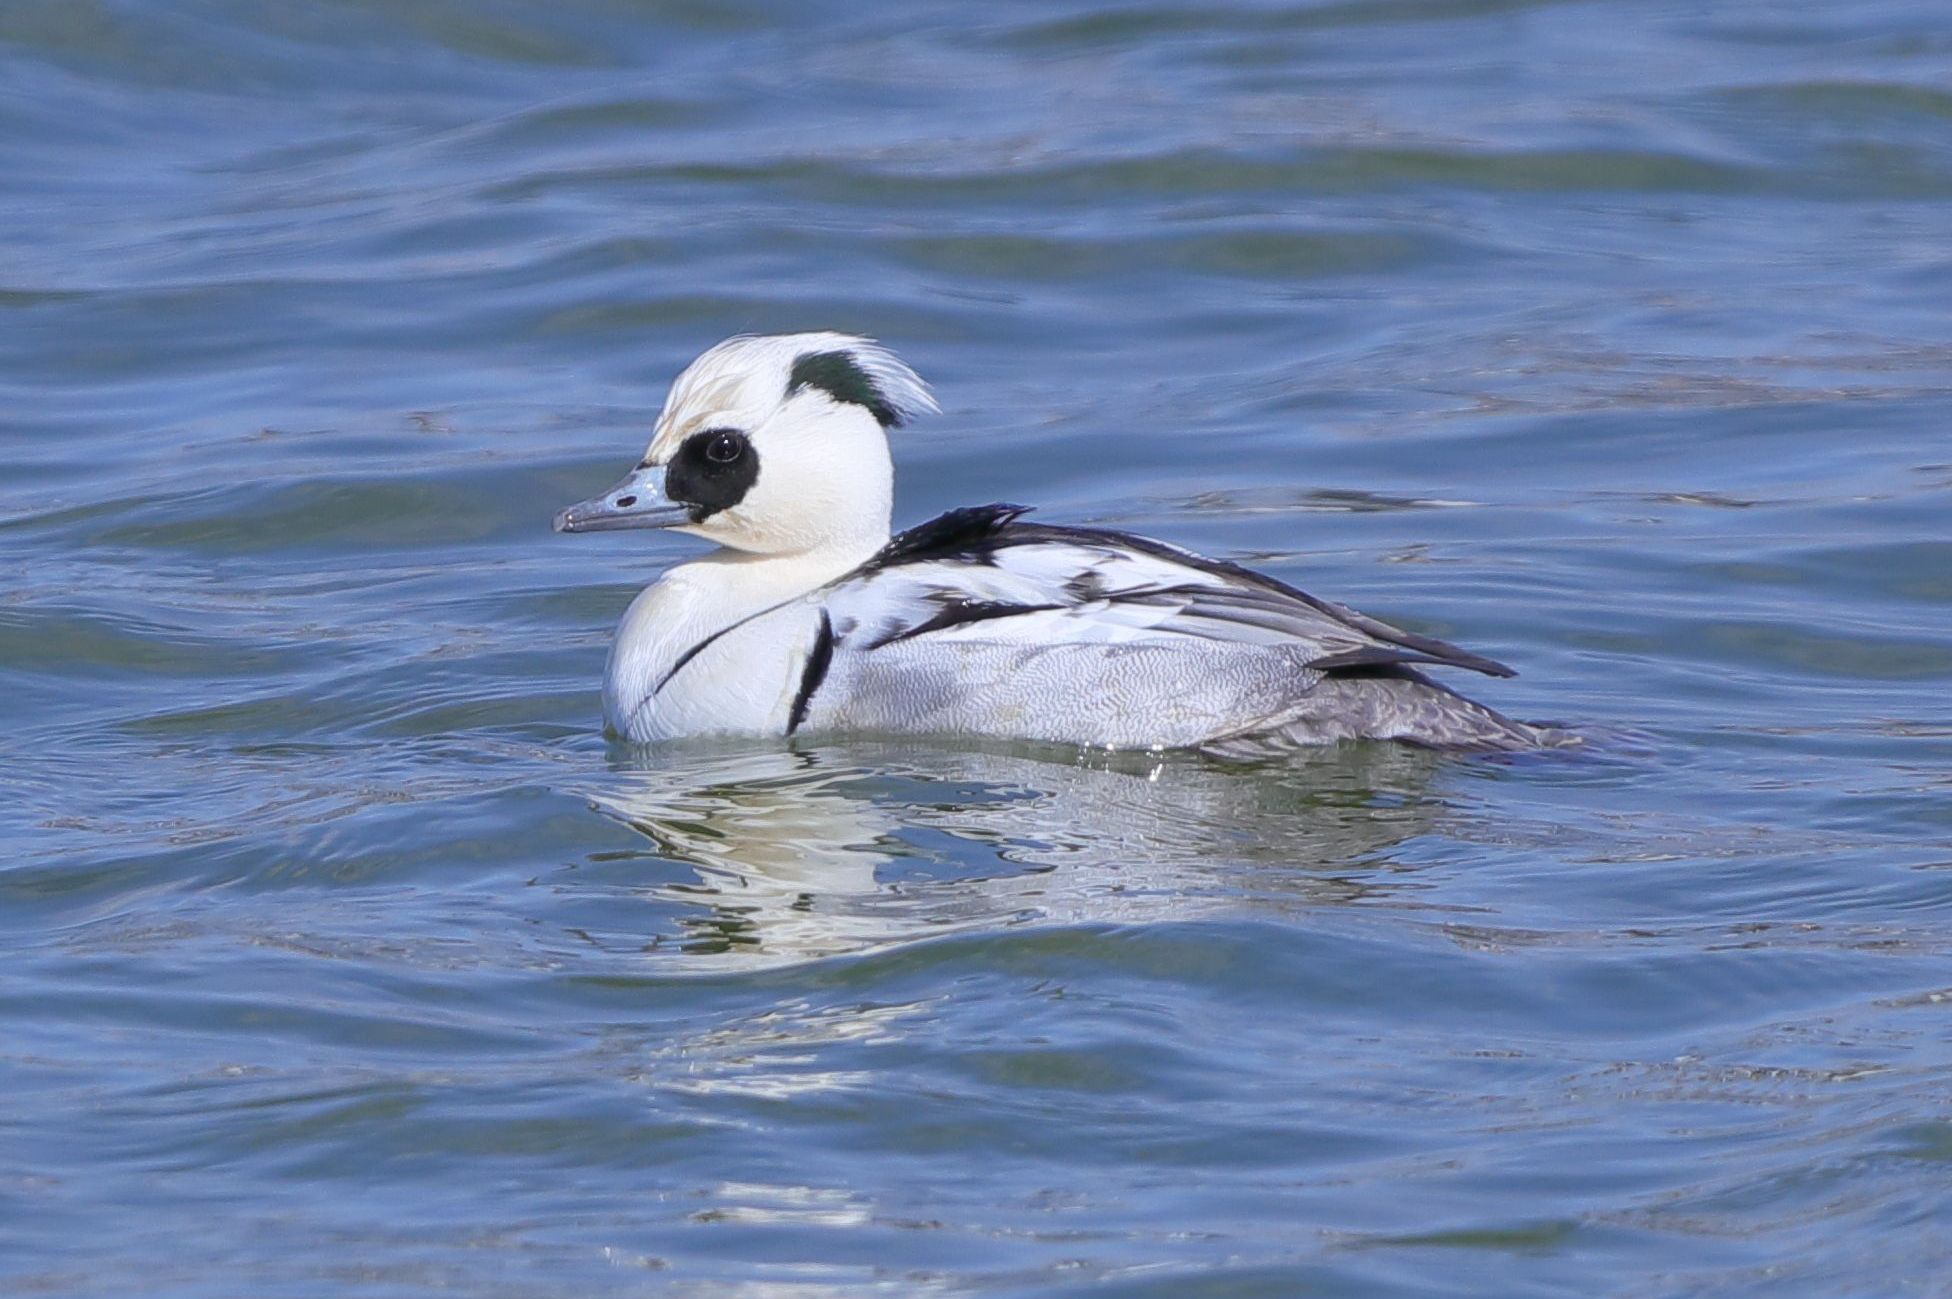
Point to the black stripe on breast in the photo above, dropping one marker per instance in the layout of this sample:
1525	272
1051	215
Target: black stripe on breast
819	659
688	656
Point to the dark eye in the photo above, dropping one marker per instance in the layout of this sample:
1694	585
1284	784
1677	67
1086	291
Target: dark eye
724	448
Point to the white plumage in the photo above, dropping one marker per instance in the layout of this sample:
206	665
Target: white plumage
976	624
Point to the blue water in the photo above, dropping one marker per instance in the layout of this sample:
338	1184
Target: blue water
344	956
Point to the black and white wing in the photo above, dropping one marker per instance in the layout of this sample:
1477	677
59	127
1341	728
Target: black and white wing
981	623
981	574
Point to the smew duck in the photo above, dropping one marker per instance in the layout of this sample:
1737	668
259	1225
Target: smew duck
810	618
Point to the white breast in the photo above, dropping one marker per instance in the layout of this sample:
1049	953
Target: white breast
718	647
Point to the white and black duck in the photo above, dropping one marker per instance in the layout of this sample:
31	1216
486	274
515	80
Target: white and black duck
811	619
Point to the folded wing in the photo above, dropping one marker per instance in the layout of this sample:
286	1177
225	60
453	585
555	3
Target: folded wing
980	574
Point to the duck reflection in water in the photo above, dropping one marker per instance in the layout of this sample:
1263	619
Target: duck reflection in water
807	853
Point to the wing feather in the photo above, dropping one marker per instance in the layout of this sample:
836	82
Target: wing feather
982	574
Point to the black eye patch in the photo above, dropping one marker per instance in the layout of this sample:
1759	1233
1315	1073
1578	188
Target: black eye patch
713	470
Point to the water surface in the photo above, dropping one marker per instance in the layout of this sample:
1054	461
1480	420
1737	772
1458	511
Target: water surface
344	956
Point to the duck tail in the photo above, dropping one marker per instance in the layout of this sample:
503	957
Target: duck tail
1388	703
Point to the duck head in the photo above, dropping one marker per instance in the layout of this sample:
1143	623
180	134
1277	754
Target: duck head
774	444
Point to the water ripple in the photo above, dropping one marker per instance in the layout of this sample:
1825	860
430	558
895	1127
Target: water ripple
346	954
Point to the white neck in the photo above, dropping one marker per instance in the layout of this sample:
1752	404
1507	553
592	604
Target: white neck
739	583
